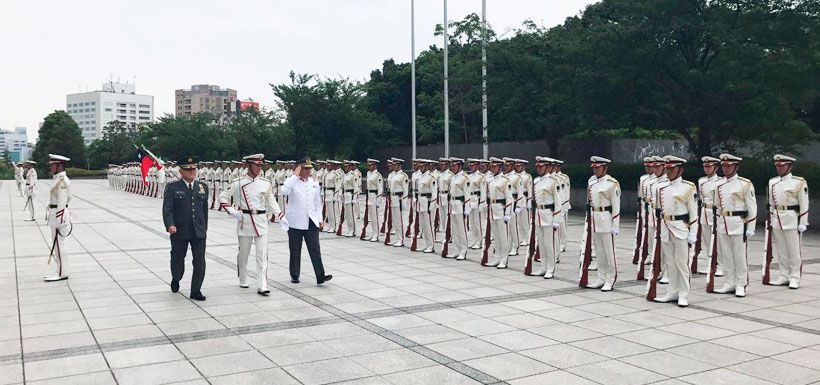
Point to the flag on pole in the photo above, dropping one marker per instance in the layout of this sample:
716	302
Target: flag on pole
147	160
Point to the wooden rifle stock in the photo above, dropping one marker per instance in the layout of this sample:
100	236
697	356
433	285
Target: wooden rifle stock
767	276
710	285
645	245
447	232
388	210
636	256
341	218
532	249
410	217
487	235
366	216
694	267
584	281
656	259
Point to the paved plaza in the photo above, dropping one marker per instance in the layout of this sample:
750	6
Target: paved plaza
388	317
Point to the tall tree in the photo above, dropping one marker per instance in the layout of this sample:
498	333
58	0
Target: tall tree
59	134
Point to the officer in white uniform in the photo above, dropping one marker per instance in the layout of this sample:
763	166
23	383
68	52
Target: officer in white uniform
478	196
788	203
737	216
604	197
30	176
351	185
706	192
517	206
375	189
547	213
398	185
162	179
457	209
442	175
679	229
565	190
253	196
59	218
500	201
18	177
523	219
652	192
426	188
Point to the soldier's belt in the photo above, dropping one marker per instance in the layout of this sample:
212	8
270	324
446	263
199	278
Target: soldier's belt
727	213
350	191
373	191
526	194
499	201
476	193
426	195
28	184
398	194
550	206
708	206
515	195
254	212
330	189
601	209
784	208
55	206
682	217
443	191
460	198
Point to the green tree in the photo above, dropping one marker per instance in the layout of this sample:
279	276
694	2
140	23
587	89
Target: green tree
201	135
261	132
59	134
115	146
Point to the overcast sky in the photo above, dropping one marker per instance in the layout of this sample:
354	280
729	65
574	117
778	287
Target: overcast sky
54	47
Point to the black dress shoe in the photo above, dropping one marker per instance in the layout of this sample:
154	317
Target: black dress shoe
174	286
294	280
324	279
265	292
198	297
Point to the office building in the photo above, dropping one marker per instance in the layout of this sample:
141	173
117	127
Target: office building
115	101
205	98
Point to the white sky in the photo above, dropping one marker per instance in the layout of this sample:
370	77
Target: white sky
54	47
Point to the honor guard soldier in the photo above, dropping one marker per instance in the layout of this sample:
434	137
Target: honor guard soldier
478	196
547	196
457	210
162	179
706	192
216	183
604	198
443	176
679	210
375	190
737	216
788	203
523	220
513	237
30	176
659	181
18	177
351	184
319	172
640	228
59	219
253	195
499	211
418	169
398	185
333	187
426	188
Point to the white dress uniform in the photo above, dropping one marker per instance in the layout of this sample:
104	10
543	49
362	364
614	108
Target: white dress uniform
565	190
443	199
478	196
30	192
639	231
216	185
162	179
706	191
523	219
788	202
678	204
737	211
457	210
59	220
398	184
375	190
414	179
426	207
500	201
513	236
655	205
548	220
604	197
332	185
18	177
350	190
254	201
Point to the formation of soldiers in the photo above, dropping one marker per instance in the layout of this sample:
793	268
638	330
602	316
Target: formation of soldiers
496	208
128	177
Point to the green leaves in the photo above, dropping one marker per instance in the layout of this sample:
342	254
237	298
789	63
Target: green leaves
59	134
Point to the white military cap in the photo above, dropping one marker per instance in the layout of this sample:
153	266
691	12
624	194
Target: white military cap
31	162
54	158
443	159
558	161
783	159
371	160
599	160
521	161
473	160
657	159
397	160
544	159
507	159
729	158
496	160
709	159
648	159
672	161
456	160
483	161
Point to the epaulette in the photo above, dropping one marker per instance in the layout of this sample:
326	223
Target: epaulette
264	179
235	180
798	178
744	179
611	179
689	183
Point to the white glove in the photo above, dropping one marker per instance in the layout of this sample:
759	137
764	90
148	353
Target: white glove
507	218
467	210
801	228
693	238
750	233
556	225
614	231
237	214
518	210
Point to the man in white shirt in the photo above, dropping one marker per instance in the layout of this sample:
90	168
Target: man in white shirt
304	219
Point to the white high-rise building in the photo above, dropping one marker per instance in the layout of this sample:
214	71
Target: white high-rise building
116	101
16	144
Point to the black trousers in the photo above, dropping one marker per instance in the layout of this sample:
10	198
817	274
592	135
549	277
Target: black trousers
311	237
179	249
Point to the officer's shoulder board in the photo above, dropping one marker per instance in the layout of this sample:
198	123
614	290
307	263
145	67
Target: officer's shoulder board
689	183
264	179
611	179
800	178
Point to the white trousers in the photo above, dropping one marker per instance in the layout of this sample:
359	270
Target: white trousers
475	237
350	219
605	257
397	216
60	254
373	214
676	252
733	250
786	243
261	245
512	232
458	231
331	213
523	222
546	237
501	244
562	233
426	219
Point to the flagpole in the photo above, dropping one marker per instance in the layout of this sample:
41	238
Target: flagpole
446	96
413	69
485	144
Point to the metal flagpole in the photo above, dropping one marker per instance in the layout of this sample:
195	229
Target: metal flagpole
413	69
485	146
446	97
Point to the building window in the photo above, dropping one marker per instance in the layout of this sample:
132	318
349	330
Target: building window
108	110
144	106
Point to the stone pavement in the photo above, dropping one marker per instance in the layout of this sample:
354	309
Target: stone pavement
388	317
